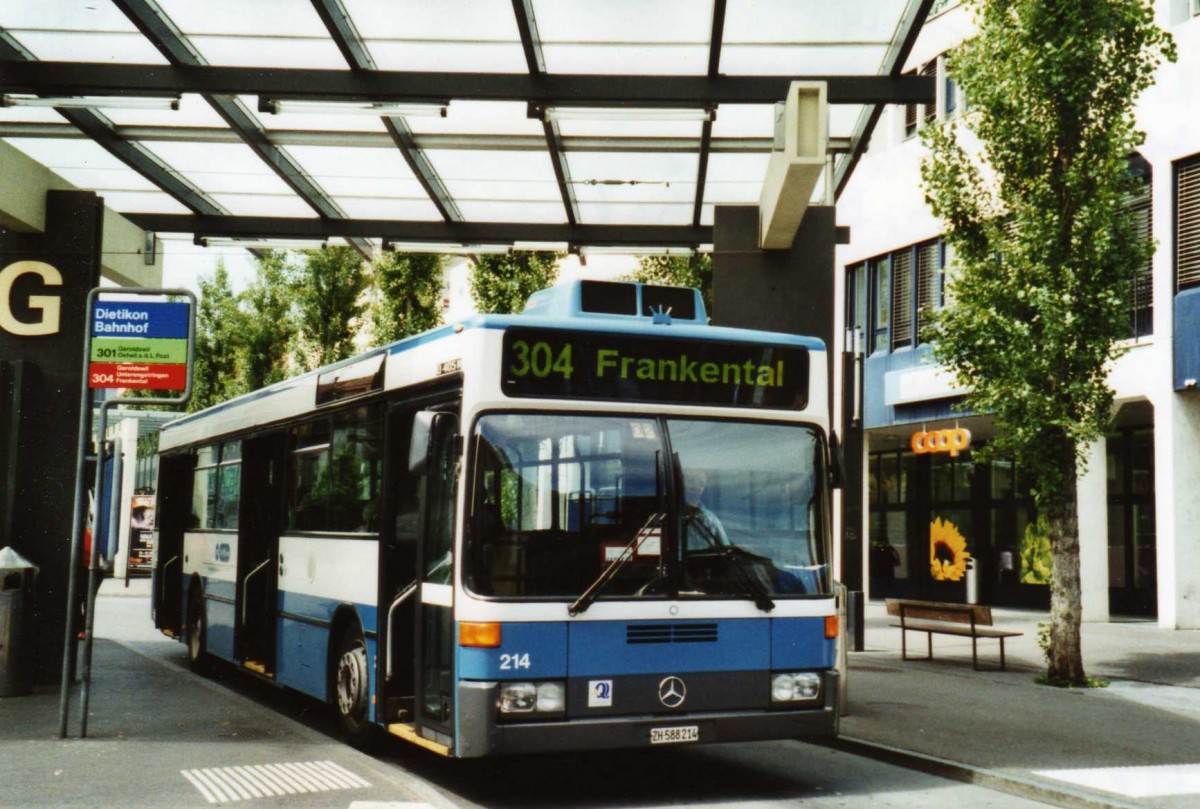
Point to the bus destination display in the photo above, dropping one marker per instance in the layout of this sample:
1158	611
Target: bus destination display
592	365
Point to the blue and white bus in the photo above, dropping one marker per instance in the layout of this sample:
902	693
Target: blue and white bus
601	523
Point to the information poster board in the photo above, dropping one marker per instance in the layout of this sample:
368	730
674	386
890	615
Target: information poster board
141	535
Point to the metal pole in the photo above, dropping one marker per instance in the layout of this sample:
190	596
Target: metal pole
85	424
93	580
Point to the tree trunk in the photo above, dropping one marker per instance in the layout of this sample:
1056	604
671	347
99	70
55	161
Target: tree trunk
1064	657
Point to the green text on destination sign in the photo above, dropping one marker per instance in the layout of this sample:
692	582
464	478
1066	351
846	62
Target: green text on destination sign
161	351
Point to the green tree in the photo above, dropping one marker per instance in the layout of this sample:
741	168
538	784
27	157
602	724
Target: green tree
681	271
500	284
410	295
1042	252
329	300
270	323
218	326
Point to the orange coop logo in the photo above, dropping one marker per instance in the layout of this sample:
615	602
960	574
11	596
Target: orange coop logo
951	441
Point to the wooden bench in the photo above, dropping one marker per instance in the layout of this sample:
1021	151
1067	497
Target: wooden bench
964	620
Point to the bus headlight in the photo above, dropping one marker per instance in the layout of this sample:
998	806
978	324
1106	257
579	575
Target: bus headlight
524	698
799	686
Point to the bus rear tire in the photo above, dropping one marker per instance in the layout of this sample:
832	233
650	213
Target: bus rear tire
350	684
197	653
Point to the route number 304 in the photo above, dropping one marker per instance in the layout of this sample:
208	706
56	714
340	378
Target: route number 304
514	661
540	360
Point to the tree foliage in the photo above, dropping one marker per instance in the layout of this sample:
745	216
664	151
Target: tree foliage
1038	290
410	295
683	271
218	323
500	284
329	302
270	322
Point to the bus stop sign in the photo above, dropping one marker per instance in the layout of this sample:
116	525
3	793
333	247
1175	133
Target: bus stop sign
138	345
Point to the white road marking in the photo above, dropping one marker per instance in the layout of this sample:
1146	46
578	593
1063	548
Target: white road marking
229	784
1134	782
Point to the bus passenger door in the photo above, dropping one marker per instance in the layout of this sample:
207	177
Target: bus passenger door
435	561
258	545
398	581
174	506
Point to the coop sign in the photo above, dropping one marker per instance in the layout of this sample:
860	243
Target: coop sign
951	441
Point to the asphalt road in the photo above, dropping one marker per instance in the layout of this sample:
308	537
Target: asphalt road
272	725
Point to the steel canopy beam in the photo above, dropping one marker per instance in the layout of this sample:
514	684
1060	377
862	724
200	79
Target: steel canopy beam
171	42
345	35
465	233
85	78
714	69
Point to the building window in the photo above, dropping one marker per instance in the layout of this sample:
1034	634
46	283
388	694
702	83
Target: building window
950	93
902	299
880	304
1196	8
929	284
910	115
856	299
930	114
1139	206
1187	224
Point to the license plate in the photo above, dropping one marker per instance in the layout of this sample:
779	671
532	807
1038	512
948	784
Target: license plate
689	733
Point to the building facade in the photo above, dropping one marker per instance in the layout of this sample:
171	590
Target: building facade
930	506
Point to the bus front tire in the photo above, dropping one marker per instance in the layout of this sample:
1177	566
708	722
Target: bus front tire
350	681
197	653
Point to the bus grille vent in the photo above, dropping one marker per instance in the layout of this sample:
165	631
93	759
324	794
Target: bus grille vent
671	633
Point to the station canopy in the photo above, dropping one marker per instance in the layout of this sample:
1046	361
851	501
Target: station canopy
447	125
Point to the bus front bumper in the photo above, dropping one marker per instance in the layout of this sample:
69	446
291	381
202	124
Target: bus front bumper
483	735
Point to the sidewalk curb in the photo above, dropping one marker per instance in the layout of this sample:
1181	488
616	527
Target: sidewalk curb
1022	787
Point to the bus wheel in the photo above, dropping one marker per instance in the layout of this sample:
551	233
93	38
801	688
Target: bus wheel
350	685
196	652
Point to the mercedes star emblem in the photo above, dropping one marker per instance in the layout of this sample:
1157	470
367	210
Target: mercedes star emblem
672	692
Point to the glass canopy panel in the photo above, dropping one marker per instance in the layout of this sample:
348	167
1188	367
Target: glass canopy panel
448	35
221	167
507	211
354	172
496	175
800	60
843	118
813	21
143	202
618	127
88	46
735	179
308	52
63	15
744	121
31	115
479	118
601	213
264	205
388	208
613	168
653	193
83	164
260	18
193	111
314	122
625	59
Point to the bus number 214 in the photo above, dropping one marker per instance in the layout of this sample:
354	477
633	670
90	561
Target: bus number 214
539	359
514	661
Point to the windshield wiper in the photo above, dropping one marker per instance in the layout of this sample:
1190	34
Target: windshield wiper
736	560
652	527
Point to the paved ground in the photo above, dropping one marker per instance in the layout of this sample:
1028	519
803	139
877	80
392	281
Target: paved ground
1135	743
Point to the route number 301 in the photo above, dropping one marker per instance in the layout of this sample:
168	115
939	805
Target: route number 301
514	661
540	360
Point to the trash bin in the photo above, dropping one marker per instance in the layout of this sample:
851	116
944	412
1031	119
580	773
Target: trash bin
16	583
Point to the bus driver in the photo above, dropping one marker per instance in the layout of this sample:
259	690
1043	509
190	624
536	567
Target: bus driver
702	528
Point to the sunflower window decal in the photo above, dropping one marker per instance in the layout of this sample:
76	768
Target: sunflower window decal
947	551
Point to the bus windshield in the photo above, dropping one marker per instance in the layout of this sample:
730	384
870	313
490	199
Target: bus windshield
687	507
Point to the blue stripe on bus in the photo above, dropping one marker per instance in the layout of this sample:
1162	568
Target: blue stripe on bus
527	651
800	643
315	608
597	648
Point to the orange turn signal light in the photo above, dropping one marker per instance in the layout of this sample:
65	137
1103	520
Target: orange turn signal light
831	626
474	633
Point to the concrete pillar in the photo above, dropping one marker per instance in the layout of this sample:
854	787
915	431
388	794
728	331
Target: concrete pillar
1092	496
1177	508
127	431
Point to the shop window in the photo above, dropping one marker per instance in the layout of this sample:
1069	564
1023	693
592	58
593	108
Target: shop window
1187	224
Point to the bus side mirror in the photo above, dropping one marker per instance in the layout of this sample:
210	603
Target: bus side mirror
837	462
422	436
